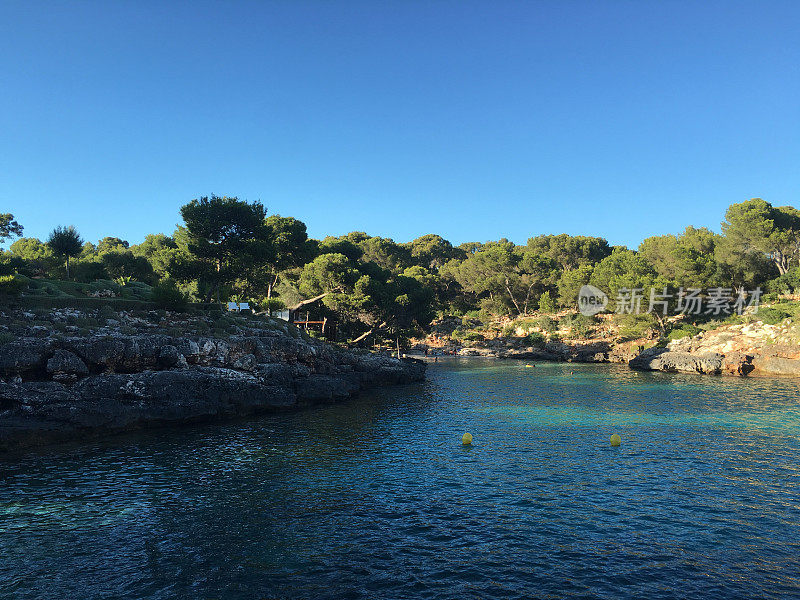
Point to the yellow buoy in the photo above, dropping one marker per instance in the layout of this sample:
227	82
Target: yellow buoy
466	439
615	440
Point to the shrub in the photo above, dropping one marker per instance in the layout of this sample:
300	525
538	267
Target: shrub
138	290
535	339
12	285
787	283
166	294
771	316
632	327
272	305
546	303
547	324
473	336
685	330
579	325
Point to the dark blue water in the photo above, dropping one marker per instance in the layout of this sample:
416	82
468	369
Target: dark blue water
378	499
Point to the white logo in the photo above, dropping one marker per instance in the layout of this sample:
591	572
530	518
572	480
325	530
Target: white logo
591	300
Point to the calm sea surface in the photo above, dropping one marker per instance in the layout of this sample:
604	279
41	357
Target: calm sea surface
377	498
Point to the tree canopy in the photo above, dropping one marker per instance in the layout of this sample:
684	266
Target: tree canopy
226	247
9	227
226	237
65	242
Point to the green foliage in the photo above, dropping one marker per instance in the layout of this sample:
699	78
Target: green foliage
38	256
547	324
65	242
272	305
570	252
433	251
10	264
570	283
229	248
111	244
165	294
508	277
634	326
687	260
546	303
385	253
771	316
290	248
137	290
124	264
226	238
13	285
624	269
473	336
579	326
9	227
88	270
788	283
535	339
756	227
682	331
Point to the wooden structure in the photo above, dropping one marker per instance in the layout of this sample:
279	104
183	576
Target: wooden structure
327	327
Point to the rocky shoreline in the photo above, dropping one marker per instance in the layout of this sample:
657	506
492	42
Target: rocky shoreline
64	387
739	350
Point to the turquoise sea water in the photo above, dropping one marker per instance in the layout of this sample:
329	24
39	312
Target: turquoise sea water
377	498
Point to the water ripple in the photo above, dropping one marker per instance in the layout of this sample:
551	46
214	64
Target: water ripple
377	498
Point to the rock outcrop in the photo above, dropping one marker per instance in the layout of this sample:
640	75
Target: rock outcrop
57	388
739	349
662	359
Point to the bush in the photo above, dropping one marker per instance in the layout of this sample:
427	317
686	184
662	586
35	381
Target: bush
685	330
771	316
138	290
579	325
474	336
272	305
166	294
546	303
9	264
547	324
535	339
632	327
788	283
12	285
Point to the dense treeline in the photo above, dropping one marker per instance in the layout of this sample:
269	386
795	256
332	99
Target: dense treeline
230	249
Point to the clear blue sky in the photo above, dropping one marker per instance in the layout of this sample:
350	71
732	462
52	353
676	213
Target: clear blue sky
475	120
